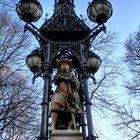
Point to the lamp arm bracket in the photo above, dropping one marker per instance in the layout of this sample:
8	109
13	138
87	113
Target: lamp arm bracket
95	31
94	28
36	32
36	76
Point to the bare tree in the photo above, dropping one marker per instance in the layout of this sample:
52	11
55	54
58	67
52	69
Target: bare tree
129	113
132	46
18	99
18	104
104	100
105	46
128	121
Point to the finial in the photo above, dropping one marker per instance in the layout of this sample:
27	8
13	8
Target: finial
64	2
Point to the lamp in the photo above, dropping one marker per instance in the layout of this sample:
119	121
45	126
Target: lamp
93	62
29	10
99	11
34	61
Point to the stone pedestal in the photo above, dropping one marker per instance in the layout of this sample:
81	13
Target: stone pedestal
66	135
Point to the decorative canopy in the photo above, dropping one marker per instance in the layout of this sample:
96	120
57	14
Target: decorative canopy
64	25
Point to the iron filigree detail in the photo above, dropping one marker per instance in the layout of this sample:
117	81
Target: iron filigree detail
65	26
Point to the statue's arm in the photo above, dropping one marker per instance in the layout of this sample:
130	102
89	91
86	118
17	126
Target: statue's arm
60	77
76	82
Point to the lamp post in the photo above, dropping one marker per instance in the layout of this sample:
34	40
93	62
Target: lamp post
64	35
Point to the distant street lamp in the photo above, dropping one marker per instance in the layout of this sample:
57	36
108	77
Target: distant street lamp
64	35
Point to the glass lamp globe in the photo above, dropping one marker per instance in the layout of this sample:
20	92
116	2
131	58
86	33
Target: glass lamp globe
34	61
99	11
29	10
93	62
